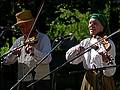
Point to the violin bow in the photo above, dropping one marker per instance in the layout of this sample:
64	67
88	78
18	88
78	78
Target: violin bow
34	23
26	39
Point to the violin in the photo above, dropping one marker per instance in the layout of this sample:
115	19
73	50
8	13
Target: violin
32	39
105	41
105	55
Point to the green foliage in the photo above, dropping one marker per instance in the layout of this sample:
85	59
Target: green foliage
4	49
68	17
106	11
69	20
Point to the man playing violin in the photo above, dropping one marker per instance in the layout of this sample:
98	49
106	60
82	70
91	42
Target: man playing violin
35	45
101	54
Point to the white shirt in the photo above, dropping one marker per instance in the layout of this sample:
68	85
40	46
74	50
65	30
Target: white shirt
25	61
92	59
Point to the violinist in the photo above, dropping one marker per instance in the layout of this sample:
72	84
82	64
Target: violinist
35	46
101	54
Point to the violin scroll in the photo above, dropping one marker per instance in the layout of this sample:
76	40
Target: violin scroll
31	41
105	41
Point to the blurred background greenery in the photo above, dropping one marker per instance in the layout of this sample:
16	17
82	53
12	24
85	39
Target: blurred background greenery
57	18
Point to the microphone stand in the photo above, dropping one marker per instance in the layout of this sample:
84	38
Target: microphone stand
2	33
96	69
78	55
45	58
1	57
99	76
34	67
1	66
58	68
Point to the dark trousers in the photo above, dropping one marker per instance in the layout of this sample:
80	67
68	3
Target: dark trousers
40	85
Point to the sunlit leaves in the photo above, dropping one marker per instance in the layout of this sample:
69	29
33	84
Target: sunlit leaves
69	20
